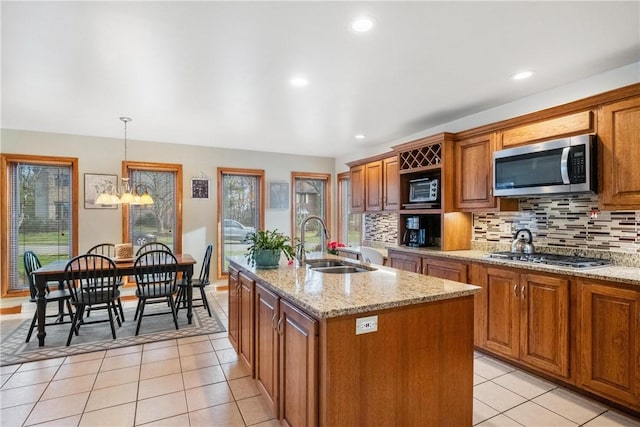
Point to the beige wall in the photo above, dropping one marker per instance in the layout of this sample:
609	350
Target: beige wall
105	155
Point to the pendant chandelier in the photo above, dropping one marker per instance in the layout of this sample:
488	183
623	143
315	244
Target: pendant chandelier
128	194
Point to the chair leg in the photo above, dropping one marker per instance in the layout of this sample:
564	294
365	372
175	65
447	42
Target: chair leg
113	328
205	301
137	309
173	311
33	325
120	309
70	310
113	306
141	304
79	312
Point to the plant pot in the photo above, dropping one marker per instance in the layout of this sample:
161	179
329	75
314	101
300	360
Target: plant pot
267	258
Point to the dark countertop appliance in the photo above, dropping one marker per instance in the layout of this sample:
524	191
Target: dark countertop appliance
416	232
553	259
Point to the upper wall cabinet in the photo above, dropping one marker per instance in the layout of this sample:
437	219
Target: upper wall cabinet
357	188
375	185
474	175
559	127
619	131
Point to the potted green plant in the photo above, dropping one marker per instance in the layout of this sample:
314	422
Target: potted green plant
265	247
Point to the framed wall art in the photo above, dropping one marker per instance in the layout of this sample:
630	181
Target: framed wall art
278	195
200	187
94	184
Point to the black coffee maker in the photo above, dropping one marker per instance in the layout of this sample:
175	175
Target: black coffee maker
415	233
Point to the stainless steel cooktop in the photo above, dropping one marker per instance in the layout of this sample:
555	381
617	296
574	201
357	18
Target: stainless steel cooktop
552	259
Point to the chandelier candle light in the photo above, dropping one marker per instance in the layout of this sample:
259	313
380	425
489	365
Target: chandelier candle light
111	196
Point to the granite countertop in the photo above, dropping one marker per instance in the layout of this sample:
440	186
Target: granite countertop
613	273
326	295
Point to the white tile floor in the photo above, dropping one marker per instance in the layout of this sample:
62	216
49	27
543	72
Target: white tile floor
198	382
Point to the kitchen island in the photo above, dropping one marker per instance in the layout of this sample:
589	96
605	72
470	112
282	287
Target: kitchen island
381	347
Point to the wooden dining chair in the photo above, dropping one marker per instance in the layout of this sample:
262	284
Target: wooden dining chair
92	280
108	250
153	246
156	274
200	283
32	263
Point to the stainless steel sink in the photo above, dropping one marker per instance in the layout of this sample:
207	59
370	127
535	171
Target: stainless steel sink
333	266
315	263
341	269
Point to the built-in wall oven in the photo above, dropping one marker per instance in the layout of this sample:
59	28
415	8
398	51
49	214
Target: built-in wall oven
561	166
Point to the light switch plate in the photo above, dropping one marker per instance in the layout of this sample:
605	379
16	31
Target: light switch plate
364	325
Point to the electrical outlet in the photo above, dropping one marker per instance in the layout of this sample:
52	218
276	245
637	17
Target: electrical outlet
364	325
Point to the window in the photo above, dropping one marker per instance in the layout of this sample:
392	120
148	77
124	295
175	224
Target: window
40	214
162	221
310	197
349	224
240	211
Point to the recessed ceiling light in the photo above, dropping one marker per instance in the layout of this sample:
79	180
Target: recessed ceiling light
523	75
359	136
299	81
362	24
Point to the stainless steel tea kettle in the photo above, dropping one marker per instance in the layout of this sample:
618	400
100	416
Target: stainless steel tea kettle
523	242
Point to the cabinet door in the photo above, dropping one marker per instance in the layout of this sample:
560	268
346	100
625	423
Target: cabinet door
609	331
266	362
445	269
618	129
502	320
405	262
474	176
246	303
298	367
391	184
234	308
373	189
544	322
357	188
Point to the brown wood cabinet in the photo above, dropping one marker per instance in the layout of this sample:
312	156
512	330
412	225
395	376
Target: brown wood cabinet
246	318
391	184
234	308
451	270
474	175
525	317
298	366
404	261
357	188
267	343
618	129
609	341
375	185
549	128
373	189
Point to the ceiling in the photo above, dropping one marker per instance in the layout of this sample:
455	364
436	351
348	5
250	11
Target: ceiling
217	73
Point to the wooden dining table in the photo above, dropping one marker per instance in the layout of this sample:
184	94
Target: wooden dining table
55	271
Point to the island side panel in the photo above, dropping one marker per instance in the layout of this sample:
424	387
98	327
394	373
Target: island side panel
415	370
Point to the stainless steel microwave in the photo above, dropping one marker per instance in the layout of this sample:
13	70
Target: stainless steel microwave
561	166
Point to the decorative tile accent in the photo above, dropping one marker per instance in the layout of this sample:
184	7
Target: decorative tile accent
563	222
381	227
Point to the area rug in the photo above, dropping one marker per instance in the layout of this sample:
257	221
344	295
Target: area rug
95	337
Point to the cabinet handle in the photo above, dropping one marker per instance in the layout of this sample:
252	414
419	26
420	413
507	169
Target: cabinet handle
523	291
515	290
274	324
279	328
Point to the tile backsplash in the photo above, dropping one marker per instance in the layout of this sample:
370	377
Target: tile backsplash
570	222
382	228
